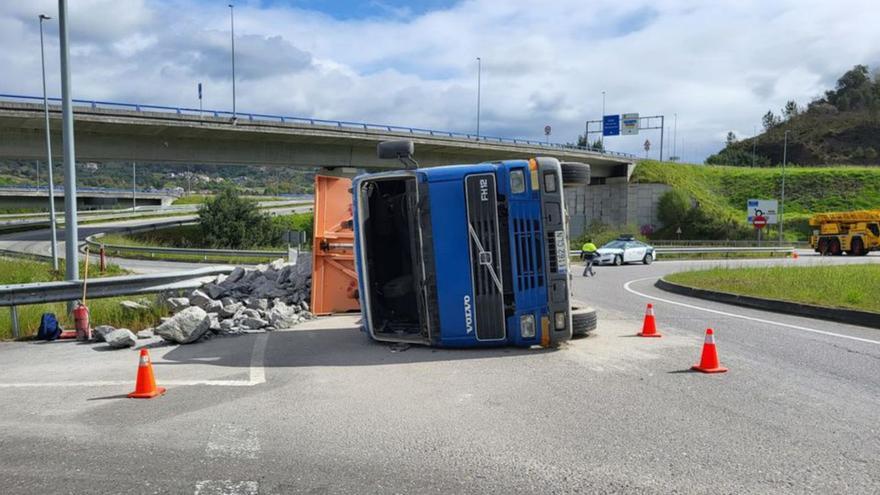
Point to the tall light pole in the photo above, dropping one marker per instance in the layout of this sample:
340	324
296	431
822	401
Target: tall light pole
71	230
232	36
754	144
603	121
675	136
479	84
782	202
133	186
44	17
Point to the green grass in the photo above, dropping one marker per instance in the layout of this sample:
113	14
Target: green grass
840	286
723	191
103	311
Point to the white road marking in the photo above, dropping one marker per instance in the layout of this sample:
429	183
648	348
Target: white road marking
256	375
258	358
229	441
227	487
627	287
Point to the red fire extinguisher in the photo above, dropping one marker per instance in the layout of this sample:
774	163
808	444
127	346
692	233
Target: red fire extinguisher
81	322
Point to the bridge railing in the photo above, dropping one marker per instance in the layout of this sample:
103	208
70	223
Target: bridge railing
82	189
138	107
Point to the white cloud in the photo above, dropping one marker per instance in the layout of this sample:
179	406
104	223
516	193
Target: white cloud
718	65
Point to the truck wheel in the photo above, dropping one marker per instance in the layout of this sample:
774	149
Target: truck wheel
618	260
822	247
575	174
858	247
834	247
583	320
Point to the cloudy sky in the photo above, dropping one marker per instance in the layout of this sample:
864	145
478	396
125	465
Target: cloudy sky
718	65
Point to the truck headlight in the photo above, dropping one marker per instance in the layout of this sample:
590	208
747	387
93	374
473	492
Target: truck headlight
527	326
560	320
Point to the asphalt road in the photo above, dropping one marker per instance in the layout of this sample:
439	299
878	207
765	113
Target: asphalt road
327	411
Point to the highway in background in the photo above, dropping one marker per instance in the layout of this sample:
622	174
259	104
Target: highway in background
37	241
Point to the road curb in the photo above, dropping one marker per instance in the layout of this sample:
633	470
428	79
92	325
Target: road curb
850	316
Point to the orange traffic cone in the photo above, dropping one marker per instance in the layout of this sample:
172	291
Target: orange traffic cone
649	327
145	388
709	360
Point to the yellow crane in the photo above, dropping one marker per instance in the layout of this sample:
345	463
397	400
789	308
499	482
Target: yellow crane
853	232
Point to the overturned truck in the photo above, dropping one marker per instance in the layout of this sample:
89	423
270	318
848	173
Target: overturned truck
464	255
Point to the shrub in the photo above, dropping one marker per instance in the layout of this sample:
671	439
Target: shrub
673	207
232	222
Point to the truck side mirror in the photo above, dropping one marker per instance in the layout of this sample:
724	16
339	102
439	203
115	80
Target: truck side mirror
399	150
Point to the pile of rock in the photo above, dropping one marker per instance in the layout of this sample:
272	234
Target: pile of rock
266	298
270	297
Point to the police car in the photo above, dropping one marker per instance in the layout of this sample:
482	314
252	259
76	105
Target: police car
625	249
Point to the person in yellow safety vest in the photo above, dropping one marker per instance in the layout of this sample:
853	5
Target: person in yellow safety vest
588	253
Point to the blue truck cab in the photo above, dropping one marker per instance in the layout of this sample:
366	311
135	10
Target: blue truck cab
464	255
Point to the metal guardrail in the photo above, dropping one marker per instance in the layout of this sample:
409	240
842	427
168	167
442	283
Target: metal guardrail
81	189
94	242
137	107
711	250
126	285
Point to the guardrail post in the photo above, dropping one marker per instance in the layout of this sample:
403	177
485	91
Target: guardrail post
13	312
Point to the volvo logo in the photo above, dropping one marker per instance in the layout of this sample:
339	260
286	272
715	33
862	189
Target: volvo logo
468	314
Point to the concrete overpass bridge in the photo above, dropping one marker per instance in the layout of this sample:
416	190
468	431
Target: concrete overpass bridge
107	131
87	198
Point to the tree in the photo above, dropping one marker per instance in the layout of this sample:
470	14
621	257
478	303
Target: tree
230	221
673	207
731	138
790	110
598	145
582	141
770	120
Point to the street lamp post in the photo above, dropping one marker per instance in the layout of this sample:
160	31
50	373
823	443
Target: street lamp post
232	36
602	136
782	202
44	17
754	144
133	186
479	84
71	230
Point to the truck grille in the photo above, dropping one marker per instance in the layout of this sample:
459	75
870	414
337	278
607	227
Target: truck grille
485	251
527	240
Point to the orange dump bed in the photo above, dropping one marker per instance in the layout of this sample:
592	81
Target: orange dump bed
334	279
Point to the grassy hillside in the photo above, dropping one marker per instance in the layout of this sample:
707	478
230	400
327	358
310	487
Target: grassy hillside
722	192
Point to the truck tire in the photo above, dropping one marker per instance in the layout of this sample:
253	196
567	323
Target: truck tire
834	247
857	247
583	319
575	174
822	247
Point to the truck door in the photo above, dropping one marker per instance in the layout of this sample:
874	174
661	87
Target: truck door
334	279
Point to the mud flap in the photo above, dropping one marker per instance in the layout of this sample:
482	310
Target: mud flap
334	279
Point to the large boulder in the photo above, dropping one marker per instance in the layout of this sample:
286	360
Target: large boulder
214	291
200	299
253	323
234	276
228	311
186	326
282	316
133	306
178	303
100	332
120	339
145	334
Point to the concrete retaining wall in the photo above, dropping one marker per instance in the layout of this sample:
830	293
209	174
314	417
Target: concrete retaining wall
614	203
